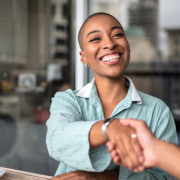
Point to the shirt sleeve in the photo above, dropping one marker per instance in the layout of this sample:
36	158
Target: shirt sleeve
68	135
163	127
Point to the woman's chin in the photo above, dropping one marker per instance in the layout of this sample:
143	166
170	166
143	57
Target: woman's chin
115	75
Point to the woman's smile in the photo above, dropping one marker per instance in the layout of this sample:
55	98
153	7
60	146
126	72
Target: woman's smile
111	58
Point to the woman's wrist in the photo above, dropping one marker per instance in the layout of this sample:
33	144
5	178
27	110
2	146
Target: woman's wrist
96	138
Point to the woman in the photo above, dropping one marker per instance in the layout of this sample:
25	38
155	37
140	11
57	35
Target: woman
78	128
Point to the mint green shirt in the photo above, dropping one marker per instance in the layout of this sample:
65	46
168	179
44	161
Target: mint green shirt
74	112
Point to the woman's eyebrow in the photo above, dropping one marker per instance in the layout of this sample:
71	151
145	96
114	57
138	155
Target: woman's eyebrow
93	32
117	27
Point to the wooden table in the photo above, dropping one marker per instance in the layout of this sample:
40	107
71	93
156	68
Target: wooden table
12	174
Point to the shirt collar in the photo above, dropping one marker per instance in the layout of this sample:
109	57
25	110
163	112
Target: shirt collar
86	90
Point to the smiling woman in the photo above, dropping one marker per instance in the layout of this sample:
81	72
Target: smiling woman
82	121
102	40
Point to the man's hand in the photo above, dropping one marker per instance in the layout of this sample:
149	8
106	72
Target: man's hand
146	140
84	175
127	149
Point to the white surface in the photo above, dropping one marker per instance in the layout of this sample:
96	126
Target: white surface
54	72
28	80
2	171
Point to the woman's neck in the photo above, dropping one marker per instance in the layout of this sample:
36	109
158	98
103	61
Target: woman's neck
111	90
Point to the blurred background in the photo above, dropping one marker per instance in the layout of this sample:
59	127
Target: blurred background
39	55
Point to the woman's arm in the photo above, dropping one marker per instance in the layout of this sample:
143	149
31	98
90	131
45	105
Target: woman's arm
69	137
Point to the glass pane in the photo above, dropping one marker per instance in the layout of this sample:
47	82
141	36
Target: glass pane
34	65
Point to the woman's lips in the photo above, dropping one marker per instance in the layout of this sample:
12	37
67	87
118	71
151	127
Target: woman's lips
112	59
112	62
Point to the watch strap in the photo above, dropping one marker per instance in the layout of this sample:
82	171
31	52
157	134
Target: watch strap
105	125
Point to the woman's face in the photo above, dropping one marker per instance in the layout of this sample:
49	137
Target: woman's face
106	48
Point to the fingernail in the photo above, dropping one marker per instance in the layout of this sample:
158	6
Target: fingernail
140	158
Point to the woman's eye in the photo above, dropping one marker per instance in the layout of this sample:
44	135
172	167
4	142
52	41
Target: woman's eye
95	39
120	34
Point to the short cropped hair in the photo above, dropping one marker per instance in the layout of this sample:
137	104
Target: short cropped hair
81	31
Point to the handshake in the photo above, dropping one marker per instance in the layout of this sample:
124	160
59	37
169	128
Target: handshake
137	148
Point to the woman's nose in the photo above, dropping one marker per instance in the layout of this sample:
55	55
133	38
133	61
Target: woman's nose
109	43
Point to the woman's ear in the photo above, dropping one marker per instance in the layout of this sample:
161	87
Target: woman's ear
83	57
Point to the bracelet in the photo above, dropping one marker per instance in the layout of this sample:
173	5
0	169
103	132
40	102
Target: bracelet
105	125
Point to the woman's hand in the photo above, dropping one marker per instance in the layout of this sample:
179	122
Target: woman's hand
126	150
84	175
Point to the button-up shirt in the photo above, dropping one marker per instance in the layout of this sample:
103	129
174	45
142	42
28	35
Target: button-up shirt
73	113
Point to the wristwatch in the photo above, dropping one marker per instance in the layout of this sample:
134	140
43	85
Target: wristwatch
105	125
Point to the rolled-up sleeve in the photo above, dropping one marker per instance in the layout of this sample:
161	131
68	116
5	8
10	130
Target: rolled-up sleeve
68	135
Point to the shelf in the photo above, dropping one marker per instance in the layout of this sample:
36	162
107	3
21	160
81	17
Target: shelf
60	35
60	48
60	22
62	62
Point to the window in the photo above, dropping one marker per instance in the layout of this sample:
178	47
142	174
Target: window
13	31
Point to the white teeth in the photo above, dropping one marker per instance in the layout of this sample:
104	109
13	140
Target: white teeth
111	57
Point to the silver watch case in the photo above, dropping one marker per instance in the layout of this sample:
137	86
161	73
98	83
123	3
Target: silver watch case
105	125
